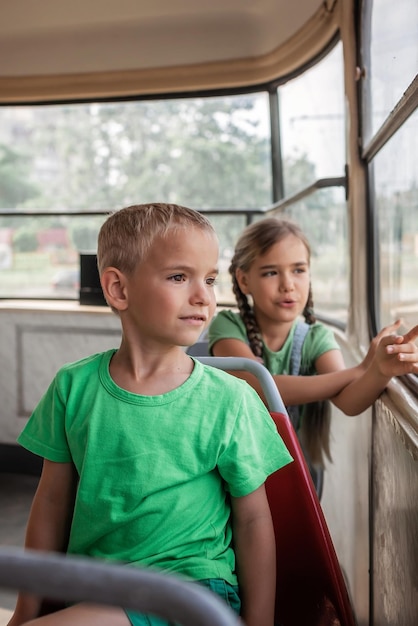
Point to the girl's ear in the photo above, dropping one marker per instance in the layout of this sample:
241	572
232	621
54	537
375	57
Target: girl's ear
242	281
113	285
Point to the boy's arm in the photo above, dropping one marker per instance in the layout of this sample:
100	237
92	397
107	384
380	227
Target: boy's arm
48	525
255	549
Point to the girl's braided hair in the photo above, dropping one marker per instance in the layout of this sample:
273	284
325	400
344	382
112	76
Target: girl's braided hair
255	241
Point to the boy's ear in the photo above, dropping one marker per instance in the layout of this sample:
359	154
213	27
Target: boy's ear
242	281
113	285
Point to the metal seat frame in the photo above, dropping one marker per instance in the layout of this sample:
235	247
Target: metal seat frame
310	587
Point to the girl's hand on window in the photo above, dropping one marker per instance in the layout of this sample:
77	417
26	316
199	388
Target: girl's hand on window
385	332
397	355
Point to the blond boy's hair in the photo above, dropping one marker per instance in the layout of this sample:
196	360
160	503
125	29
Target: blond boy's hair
127	235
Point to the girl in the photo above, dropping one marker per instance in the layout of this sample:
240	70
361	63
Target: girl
271	265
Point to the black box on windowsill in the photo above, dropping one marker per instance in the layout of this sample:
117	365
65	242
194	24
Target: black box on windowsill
90	288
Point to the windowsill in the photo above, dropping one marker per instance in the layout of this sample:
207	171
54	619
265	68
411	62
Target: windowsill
50	306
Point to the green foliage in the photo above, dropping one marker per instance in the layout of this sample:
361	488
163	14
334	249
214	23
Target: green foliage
15	187
25	240
200	152
84	236
298	172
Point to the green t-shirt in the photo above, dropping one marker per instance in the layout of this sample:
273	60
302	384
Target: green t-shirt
155	471
320	339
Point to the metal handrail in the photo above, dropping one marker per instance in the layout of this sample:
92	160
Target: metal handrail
406	106
79	579
321	183
269	387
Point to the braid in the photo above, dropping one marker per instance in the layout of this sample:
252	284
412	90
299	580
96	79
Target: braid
248	317
308	311
314	432
316	423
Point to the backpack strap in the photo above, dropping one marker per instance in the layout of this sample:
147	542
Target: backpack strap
301	330
299	336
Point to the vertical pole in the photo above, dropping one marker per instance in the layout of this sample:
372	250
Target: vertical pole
276	147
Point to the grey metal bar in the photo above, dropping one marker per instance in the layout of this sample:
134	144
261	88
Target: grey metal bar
78	579
403	110
276	146
101	212
269	387
321	183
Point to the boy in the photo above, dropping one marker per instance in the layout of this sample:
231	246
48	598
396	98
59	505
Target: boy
152	458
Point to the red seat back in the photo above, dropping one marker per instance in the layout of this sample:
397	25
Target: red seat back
311	589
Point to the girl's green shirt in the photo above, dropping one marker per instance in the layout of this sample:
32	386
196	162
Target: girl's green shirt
320	339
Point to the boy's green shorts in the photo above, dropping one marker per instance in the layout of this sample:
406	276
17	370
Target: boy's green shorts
227	592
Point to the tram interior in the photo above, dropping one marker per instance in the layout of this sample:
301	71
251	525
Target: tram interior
284	89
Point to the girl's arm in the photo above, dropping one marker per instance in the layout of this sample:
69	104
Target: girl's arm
352	390
255	548
295	389
395	355
48	525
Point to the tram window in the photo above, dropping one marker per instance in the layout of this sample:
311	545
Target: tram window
39	255
323	218
394	55
395	170
312	123
202	152
313	146
228	228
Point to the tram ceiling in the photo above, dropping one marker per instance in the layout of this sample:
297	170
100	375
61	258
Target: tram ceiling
79	48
